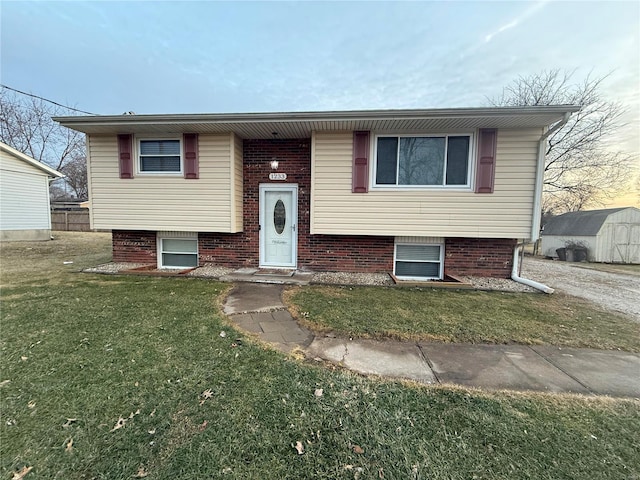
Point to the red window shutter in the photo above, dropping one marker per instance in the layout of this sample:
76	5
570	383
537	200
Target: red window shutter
486	162
125	155
360	173
190	142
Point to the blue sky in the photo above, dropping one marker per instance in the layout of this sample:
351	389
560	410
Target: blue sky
187	57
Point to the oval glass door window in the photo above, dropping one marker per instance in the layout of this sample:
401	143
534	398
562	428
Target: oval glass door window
279	217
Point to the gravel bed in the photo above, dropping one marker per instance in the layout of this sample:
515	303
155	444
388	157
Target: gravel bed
209	271
113	267
499	284
344	278
327	278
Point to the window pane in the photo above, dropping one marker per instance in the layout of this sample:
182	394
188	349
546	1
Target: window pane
160	164
387	162
179	245
418	269
421	161
159	147
457	160
179	260
418	252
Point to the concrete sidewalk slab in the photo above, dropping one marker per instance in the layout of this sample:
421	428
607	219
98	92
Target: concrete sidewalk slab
497	367
603	372
252	275
254	297
385	358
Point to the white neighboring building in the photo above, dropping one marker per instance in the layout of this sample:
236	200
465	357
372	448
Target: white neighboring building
611	235
25	212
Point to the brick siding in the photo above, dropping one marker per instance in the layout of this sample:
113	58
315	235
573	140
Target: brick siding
134	246
482	257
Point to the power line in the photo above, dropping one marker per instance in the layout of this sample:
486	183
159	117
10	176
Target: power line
46	100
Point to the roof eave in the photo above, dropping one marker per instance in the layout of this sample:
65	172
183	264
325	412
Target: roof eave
352	115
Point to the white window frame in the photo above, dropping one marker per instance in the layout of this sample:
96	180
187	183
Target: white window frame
461	188
441	261
169	236
139	170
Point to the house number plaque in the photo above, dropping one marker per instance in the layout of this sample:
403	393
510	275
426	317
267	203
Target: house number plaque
277	176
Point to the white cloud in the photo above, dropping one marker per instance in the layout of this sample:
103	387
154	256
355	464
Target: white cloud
516	21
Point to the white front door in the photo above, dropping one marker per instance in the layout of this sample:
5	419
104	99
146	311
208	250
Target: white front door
278	225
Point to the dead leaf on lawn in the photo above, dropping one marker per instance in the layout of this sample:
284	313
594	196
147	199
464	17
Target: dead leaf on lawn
69	422
206	395
69	447
203	425
119	424
152	413
31	404
358	449
318	392
23	358
141	473
152	431
21	474
4	382
299	447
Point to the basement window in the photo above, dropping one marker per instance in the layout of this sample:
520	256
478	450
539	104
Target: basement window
177	252
419	262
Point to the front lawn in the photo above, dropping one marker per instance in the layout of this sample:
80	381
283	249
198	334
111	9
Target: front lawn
440	315
115	377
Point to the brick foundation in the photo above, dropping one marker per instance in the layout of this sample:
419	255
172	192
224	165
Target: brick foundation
464	256
134	246
482	257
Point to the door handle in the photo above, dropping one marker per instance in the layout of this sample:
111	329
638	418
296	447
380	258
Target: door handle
293	227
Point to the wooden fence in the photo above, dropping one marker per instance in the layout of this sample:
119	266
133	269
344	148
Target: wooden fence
70	220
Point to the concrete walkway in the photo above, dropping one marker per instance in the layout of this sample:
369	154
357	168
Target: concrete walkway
258	308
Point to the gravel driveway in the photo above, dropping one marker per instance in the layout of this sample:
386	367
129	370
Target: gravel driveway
612	291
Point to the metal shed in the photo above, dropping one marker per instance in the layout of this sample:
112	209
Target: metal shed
611	235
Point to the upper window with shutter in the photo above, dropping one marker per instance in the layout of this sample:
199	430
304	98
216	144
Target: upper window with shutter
160	156
404	161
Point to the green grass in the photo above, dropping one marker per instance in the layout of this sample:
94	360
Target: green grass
100	348
463	316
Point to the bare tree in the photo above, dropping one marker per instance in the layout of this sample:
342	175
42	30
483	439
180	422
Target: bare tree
75	171
581	170
26	125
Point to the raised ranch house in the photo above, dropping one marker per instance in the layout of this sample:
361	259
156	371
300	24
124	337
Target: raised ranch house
420	193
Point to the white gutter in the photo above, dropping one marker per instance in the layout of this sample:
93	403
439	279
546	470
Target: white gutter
525	281
537	199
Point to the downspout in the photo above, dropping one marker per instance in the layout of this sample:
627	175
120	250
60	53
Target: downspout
537	206
537	198
525	281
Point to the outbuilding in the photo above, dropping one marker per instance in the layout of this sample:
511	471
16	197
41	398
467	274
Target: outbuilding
24	196
611	235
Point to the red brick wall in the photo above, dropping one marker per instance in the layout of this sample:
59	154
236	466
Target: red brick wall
134	246
482	257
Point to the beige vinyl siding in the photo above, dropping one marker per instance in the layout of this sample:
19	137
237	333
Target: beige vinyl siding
443	212
237	219
163	202
24	195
